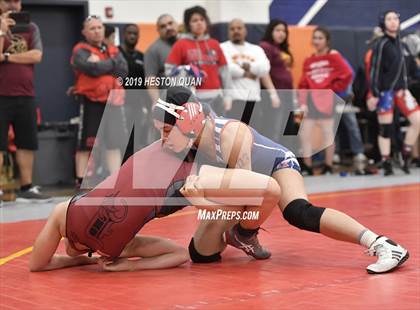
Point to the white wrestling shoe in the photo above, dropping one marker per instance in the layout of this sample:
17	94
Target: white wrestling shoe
390	255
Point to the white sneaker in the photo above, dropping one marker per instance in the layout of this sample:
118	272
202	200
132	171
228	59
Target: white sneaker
336	159
360	157
390	255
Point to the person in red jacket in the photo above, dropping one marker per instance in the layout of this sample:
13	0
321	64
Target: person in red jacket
325	69
97	67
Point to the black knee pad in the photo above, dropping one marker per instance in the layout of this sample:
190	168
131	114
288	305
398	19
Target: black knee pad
385	130
202	259
303	215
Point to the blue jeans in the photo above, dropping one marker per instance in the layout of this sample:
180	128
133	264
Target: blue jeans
349	121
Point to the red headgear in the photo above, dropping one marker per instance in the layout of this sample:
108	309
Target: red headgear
190	118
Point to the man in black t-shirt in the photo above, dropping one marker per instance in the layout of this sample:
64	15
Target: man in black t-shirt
20	51
137	103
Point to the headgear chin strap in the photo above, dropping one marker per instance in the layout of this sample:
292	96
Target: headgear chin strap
169	107
190	117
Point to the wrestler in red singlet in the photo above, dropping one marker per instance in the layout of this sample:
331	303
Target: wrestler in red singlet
109	216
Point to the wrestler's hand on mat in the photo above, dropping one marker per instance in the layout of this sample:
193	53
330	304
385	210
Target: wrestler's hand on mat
120	264
89	260
372	103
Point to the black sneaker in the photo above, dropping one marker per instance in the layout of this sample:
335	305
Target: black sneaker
306	170
406	166
387	166
406	163
327	170
32	195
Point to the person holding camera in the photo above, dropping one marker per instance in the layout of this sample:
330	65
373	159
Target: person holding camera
20	50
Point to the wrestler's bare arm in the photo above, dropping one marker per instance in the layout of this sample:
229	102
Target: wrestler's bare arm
43	255
150	252
236	143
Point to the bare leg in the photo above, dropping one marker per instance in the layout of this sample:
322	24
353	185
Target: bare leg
334	224
306	140
328	135
414	128
208	238
113	159
385	143
1	161
82	158
256	192
416	149
25	160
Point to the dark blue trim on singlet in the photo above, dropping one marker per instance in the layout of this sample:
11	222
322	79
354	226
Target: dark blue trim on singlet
266	156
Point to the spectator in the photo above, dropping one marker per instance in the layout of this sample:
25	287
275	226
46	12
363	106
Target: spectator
351	127
156	54
275	43
18	55
388	85
325	69
137	104
96	67
247	65
198	49
413	42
